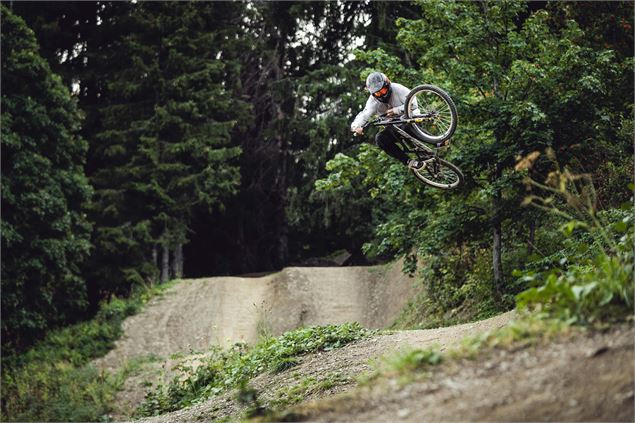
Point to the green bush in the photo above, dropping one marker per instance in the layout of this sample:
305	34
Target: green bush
587	291
54	380
455	287
229	369
591	278
56	391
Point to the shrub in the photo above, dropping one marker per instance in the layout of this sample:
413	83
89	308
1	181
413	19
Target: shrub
593	277
232	368
586	292
54	380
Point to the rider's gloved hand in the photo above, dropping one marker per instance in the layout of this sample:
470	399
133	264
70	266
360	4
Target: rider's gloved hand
392	112
359	130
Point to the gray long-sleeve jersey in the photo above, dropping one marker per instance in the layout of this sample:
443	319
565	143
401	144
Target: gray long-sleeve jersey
375	107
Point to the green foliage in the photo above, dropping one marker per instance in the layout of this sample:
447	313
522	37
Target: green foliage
522	81
45	233
584	294
585	288
524	330
230	369
415	360
54	380
57	392
452	289
593	280
276	409
301	391
162	150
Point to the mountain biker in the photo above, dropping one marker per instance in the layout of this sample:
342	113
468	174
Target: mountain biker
385	98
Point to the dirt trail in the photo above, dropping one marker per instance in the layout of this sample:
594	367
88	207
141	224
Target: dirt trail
589	377
347	363
198	313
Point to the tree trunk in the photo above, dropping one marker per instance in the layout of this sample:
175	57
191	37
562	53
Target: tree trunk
532	238
165	264
497	238
155	262
177	261
496	255
284	112
282	223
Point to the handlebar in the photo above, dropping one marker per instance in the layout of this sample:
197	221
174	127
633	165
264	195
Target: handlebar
379	120
399	120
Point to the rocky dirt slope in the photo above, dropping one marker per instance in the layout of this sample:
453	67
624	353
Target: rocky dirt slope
198	313
589	377
341	365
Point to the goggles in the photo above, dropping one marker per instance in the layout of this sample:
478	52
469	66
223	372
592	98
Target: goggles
381	92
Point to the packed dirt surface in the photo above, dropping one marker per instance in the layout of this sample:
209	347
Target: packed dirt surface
587	378
198	313
342	365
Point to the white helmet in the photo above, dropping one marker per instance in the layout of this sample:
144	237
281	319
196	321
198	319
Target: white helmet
378	85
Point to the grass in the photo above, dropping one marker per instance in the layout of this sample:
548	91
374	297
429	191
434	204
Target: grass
307	387
526	330
226	369
54	380
287	396
416	365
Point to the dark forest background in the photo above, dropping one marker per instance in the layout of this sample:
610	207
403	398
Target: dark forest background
155	140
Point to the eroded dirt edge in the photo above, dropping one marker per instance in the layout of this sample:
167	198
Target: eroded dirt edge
343	365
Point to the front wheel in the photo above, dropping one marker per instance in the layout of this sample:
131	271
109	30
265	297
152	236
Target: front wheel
439	173
435	112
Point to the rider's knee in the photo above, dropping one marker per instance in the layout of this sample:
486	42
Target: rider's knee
380	139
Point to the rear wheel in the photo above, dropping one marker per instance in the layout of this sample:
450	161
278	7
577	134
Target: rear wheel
436	111
439	173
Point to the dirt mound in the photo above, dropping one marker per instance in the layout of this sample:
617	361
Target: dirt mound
198	313
345	363
586	378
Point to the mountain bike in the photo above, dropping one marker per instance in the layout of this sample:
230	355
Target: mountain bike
431	114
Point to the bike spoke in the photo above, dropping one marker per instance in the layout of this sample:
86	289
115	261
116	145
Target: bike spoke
444	176
444	125
438	114
431	104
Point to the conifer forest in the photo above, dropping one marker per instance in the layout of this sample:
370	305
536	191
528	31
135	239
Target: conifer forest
146	141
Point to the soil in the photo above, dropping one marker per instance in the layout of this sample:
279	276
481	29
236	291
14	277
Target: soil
197	314
347	362
586	377
589	377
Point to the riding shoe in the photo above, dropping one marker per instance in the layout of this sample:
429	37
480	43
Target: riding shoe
415	164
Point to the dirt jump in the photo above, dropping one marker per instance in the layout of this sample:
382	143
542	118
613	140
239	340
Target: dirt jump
196	314
580	379
347	363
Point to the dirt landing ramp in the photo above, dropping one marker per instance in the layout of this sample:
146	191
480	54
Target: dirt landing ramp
198	313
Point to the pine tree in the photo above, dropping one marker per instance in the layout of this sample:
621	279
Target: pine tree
300	91
163	146
45	234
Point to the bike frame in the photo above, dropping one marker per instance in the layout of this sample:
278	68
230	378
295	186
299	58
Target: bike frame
432	163
412	144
